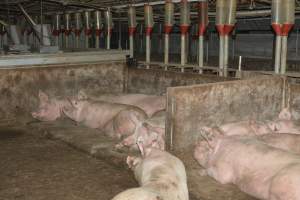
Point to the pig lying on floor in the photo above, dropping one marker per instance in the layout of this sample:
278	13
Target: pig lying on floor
151	104
283	124
152	131
161	176
50	109
256	168
113	119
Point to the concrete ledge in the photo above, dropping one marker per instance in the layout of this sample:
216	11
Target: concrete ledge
62	58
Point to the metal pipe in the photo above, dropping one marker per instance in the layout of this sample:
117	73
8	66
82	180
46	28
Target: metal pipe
277	54
149	22
109	24
184	26
98	27
297	41
226	55
283	54
169	22
131	29
87	27
183	45
67	29
148	51
221	55
200	53
78	27
166	57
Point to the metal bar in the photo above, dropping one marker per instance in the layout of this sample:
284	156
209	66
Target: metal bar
148	51
277	54
226	55
221	55
166	56
283	54
183	54
297	39
131	46
200	53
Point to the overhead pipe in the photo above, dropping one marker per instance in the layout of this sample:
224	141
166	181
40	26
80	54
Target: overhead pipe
109	26
131	29
149	23
283	19
202	26
225	22
98	27
87	27
30	21
78	28
169	22
67	28
184	27
56	28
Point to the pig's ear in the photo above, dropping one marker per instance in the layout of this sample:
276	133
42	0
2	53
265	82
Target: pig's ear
285	114
43	96
82	95
211	137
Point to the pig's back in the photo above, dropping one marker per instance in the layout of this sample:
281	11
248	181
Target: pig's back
285	141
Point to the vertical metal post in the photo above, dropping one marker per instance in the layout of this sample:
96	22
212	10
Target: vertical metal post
297	40
200	53
148	51
283	54
183	55
120	32
226	56
277	54
221	55
166	57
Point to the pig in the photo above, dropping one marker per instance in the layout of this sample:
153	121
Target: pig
50	109
151	131
284	123
248	127
285	141
149	103
112	118
161	176
256	168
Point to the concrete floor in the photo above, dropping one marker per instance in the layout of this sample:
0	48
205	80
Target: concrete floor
33	167
38	161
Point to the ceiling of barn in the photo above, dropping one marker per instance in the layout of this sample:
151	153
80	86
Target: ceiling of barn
9	7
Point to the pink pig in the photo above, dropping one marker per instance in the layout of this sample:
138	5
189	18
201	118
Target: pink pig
256	168
284	123
112	118
49	109
161	176
149	132
149	103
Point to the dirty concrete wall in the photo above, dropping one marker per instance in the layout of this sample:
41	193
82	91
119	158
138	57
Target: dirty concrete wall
192	107
153	81
19	86
293	100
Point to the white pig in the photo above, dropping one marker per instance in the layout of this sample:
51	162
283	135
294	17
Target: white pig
256	168
50	109
161	176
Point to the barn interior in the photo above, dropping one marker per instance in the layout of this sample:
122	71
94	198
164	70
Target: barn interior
211	61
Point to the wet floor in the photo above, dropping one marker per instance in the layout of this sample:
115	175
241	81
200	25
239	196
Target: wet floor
33	167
